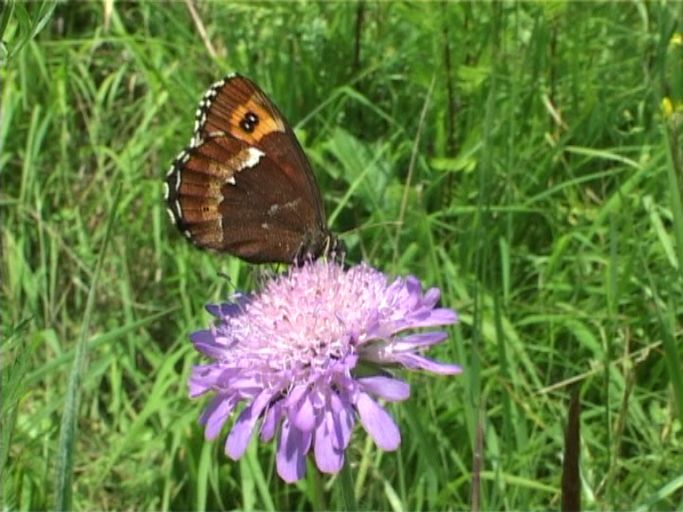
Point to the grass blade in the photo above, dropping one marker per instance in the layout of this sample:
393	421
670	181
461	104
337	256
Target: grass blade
67	431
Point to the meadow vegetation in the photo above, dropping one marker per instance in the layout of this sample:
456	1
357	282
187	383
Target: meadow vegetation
523	157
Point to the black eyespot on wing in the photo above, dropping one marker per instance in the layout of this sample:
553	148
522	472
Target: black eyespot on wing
249	122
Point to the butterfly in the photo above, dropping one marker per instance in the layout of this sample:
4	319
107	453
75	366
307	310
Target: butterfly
244	185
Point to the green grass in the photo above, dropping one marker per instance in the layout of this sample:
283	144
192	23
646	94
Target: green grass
514	155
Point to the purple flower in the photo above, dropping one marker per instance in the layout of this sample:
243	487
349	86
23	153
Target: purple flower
292	353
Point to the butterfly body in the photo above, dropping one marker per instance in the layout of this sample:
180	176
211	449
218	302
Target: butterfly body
244	185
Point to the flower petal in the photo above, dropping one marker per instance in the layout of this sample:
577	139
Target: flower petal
210	343
345	420
239	436
413	285
291	454
295	395
425	318
423	339
203	336
197	387
327	457
416	362
439	316
202	379
431	297
304	415
377	422
270	422
393	390
216	419
228	308
213	405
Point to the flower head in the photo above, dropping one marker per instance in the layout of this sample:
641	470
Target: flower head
293	351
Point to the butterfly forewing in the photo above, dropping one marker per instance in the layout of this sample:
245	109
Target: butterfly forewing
238	104
244	185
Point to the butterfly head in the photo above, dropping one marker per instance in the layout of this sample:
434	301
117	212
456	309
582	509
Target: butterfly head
319	243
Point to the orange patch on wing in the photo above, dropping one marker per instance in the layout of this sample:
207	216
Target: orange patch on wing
267	123
198	210
210	189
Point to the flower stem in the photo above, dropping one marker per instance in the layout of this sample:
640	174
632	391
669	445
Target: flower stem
346	480
317	487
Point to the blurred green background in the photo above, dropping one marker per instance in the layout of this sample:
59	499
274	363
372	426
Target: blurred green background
523	157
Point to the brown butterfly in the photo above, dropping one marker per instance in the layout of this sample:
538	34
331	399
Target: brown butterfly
244	185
